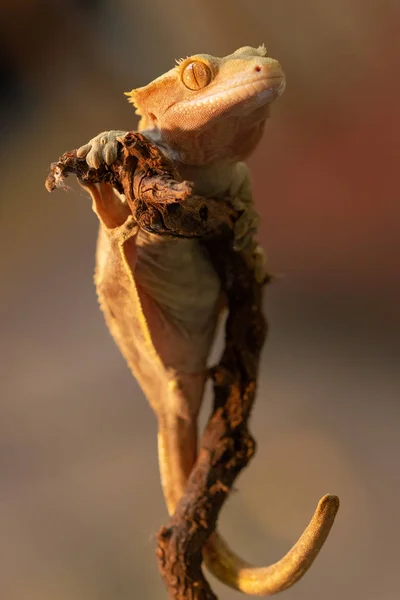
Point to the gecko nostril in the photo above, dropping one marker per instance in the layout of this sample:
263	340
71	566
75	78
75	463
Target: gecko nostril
258	68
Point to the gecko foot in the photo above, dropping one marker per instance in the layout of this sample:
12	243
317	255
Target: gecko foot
102	148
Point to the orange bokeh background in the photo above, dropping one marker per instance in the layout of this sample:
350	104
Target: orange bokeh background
80	500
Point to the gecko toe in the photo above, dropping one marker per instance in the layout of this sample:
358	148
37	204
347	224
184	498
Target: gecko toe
83	150
93	159
110	153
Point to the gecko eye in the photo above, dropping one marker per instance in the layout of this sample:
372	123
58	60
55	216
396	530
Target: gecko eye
196	75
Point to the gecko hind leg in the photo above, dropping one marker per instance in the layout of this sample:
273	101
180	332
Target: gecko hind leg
177	434
107	203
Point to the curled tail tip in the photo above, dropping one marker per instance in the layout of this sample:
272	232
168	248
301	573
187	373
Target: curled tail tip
329	503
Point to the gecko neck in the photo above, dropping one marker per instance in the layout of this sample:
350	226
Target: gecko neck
211	179
227	140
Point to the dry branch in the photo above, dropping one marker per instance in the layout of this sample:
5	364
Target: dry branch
162	204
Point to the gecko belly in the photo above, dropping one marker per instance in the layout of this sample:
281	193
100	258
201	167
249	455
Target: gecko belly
178	279
161	299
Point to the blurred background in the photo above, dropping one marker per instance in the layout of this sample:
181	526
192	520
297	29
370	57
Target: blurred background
80	500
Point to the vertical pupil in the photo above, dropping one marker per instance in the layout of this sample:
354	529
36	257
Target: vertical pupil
196	75
194	71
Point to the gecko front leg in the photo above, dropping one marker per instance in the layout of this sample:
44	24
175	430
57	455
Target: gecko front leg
246	226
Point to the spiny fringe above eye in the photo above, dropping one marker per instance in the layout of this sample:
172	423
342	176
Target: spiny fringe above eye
260	50
182	61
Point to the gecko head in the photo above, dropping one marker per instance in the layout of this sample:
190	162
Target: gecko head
209	108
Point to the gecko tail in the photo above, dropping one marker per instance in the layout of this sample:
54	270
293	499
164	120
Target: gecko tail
177	455
240	575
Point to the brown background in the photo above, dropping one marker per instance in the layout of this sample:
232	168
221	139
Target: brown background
80	500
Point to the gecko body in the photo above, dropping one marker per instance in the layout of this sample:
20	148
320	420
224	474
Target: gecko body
207	115
161	296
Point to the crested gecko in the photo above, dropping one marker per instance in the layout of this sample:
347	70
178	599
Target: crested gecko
160	296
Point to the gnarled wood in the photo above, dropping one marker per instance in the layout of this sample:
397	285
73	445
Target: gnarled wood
160	203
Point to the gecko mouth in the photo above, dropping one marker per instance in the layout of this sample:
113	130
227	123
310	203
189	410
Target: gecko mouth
255	91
